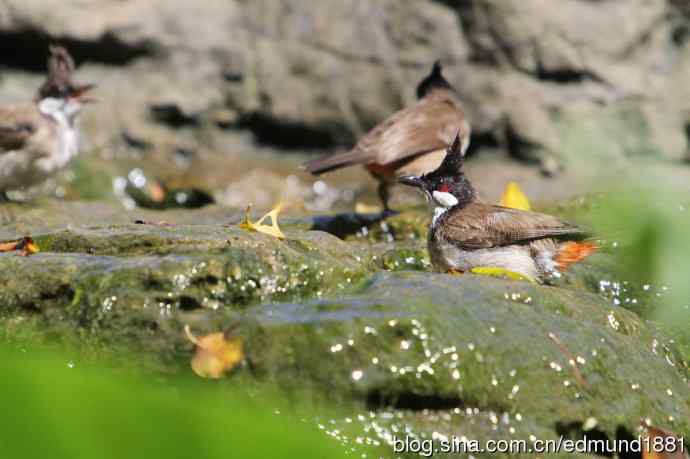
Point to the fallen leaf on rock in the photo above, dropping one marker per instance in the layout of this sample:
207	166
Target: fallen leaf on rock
216	354
25	245
514	197
272	230
500	272
662	444
157	192
363	208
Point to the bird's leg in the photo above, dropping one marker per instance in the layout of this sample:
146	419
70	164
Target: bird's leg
384	195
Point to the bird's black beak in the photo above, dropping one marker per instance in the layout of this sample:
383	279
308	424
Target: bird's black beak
411	180
417	182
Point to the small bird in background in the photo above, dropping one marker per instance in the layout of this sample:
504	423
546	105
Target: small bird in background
469	235
412	141
38	139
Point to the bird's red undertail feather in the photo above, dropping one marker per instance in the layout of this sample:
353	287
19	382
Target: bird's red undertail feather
573	252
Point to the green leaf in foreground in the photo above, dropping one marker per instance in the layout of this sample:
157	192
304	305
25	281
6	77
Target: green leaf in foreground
51	410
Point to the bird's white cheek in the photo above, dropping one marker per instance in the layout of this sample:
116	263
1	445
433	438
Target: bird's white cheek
444	199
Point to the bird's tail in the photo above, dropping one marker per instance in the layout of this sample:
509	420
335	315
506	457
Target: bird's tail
331	162
573	252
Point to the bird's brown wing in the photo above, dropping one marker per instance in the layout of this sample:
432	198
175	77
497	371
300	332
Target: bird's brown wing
14	136
481	226
16	127
428	125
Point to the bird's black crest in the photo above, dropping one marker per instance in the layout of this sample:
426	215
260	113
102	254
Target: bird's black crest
452	163
59	80
434	80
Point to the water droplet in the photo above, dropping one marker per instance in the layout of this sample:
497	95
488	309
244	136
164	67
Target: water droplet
613	322
590	423
370	330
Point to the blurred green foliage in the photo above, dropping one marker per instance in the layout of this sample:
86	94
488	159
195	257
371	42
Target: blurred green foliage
89	180
54	409
648	230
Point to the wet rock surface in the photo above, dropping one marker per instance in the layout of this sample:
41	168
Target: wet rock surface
478	357
360	322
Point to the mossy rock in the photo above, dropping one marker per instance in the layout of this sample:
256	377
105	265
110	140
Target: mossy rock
361	322
474	356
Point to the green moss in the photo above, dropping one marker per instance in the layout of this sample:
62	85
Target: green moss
406	257
318	315
473	342
89	182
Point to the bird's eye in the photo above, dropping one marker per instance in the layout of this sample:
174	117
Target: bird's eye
443	188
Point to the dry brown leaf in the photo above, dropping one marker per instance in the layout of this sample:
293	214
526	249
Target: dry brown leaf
216	354
272	230
662	444
26	246
157	191
514	197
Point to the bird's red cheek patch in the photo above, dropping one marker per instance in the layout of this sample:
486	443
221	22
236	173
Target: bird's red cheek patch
443	188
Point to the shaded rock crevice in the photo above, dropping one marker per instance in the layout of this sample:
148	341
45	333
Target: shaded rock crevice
599	441
378	399
286	134
26	49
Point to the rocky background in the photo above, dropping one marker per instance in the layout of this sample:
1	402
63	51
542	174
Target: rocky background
220	88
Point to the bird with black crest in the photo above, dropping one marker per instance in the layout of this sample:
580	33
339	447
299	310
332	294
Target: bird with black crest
468	235
39	138
412	141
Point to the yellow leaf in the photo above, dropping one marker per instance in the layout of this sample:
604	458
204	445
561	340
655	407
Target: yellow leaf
30	247
215	353
362	208
500	272
25	245
514	197
272	230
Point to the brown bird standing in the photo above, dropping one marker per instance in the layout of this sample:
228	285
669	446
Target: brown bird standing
38	139
466	233
412	141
